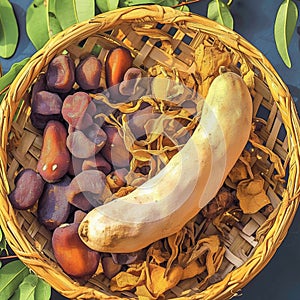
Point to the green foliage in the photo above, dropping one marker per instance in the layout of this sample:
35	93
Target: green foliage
32	288
9	32
36	24
11	276
18	283
8	78
284	27
219	12
71	12
44	19
107	5
2	245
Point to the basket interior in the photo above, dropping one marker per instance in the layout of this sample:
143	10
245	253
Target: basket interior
172	46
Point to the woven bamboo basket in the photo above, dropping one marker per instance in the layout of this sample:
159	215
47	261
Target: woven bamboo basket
249	248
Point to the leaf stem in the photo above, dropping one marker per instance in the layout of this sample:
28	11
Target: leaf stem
229	2
8	257
185	3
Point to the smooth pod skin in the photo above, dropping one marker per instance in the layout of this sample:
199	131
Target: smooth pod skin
60	75
118	61
54	160
165	203
53	207
45	106
29	186
75	258
88	73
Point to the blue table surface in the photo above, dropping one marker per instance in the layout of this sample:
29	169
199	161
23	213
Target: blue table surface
254	20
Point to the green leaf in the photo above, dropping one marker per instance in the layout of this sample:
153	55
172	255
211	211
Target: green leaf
85	9
11	275
107	5
284	27
66	13
52	21
43	290
36	24
26	290
9	31
2	244
183	8
8	78
219	11
125	3
169	2
71	12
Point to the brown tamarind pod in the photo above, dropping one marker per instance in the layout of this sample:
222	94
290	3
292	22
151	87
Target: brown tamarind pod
117	62
54	160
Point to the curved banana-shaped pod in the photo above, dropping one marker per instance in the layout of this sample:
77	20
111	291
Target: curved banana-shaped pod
165	203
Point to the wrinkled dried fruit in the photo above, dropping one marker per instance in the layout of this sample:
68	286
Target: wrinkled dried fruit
223	200
45	106
74	110
60	75
88	73
75	258
138	120
114	150
28	189
53	208
85	189
117	179
54	160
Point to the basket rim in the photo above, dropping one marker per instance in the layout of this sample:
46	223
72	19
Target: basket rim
138	14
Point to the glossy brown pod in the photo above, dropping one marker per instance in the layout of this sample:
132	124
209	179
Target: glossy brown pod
88	73
75	258
117	62
39	85
53	207
45	106
60	75
28	189
54	160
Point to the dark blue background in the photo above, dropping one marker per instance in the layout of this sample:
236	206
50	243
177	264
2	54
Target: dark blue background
254	20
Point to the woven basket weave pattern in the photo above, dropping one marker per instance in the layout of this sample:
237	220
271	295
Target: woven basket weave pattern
174	37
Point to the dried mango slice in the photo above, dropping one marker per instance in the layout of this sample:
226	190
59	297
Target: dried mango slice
252	195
